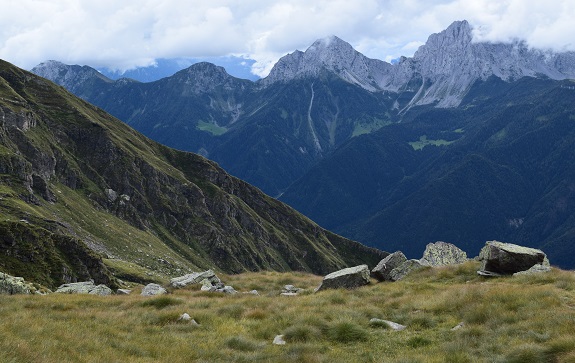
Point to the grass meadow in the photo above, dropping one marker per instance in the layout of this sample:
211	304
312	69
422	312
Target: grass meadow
511	319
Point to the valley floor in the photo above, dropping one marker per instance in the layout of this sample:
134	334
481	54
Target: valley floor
514	319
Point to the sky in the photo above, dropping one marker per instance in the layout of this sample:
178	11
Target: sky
125	34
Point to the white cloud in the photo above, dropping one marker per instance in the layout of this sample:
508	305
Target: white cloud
130	33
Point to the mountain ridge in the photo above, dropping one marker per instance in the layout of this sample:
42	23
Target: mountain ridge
72	172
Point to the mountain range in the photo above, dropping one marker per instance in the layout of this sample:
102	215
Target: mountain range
465	141
84	196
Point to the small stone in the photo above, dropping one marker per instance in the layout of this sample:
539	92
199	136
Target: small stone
279	340
153	289
123	292
458	326
185	317
391	324
229	290
288	294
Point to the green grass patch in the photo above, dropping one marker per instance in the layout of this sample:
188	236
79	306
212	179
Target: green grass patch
423	142
211	128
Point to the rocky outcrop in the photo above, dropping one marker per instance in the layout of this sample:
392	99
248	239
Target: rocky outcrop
498	258
153	289
404	269
442	254
383	269
348	278
86	287
195	278
11	285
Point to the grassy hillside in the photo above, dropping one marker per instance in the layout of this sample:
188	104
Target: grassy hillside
514	319
85	196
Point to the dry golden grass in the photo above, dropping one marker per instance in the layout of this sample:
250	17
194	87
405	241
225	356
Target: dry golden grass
526	319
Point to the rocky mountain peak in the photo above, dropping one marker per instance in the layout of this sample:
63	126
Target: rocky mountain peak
68	76
327	54
204	77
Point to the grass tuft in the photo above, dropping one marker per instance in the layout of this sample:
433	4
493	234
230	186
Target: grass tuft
162	302
347	332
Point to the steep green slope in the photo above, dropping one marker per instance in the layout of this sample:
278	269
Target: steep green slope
71	175
505	171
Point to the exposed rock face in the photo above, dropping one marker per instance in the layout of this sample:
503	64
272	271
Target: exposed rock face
86	287
498	258
383	269
441	71
153	289
404	269
10	285
348	278
442	254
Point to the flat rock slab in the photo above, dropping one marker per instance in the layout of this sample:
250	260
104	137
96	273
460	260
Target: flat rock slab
348	278
498	258
194	278
85	287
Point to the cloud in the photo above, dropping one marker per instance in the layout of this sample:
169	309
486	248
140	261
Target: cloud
131	33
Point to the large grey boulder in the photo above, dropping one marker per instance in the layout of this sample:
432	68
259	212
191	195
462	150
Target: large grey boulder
10	285
404	269
153	289
442	254
348	278
84	287
384	267
498	258
195	278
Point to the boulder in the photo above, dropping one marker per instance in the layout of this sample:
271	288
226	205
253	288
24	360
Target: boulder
442	254
498	258
153	289
384	267
535	269
85	287
404	269
347	278
195	278
10	285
